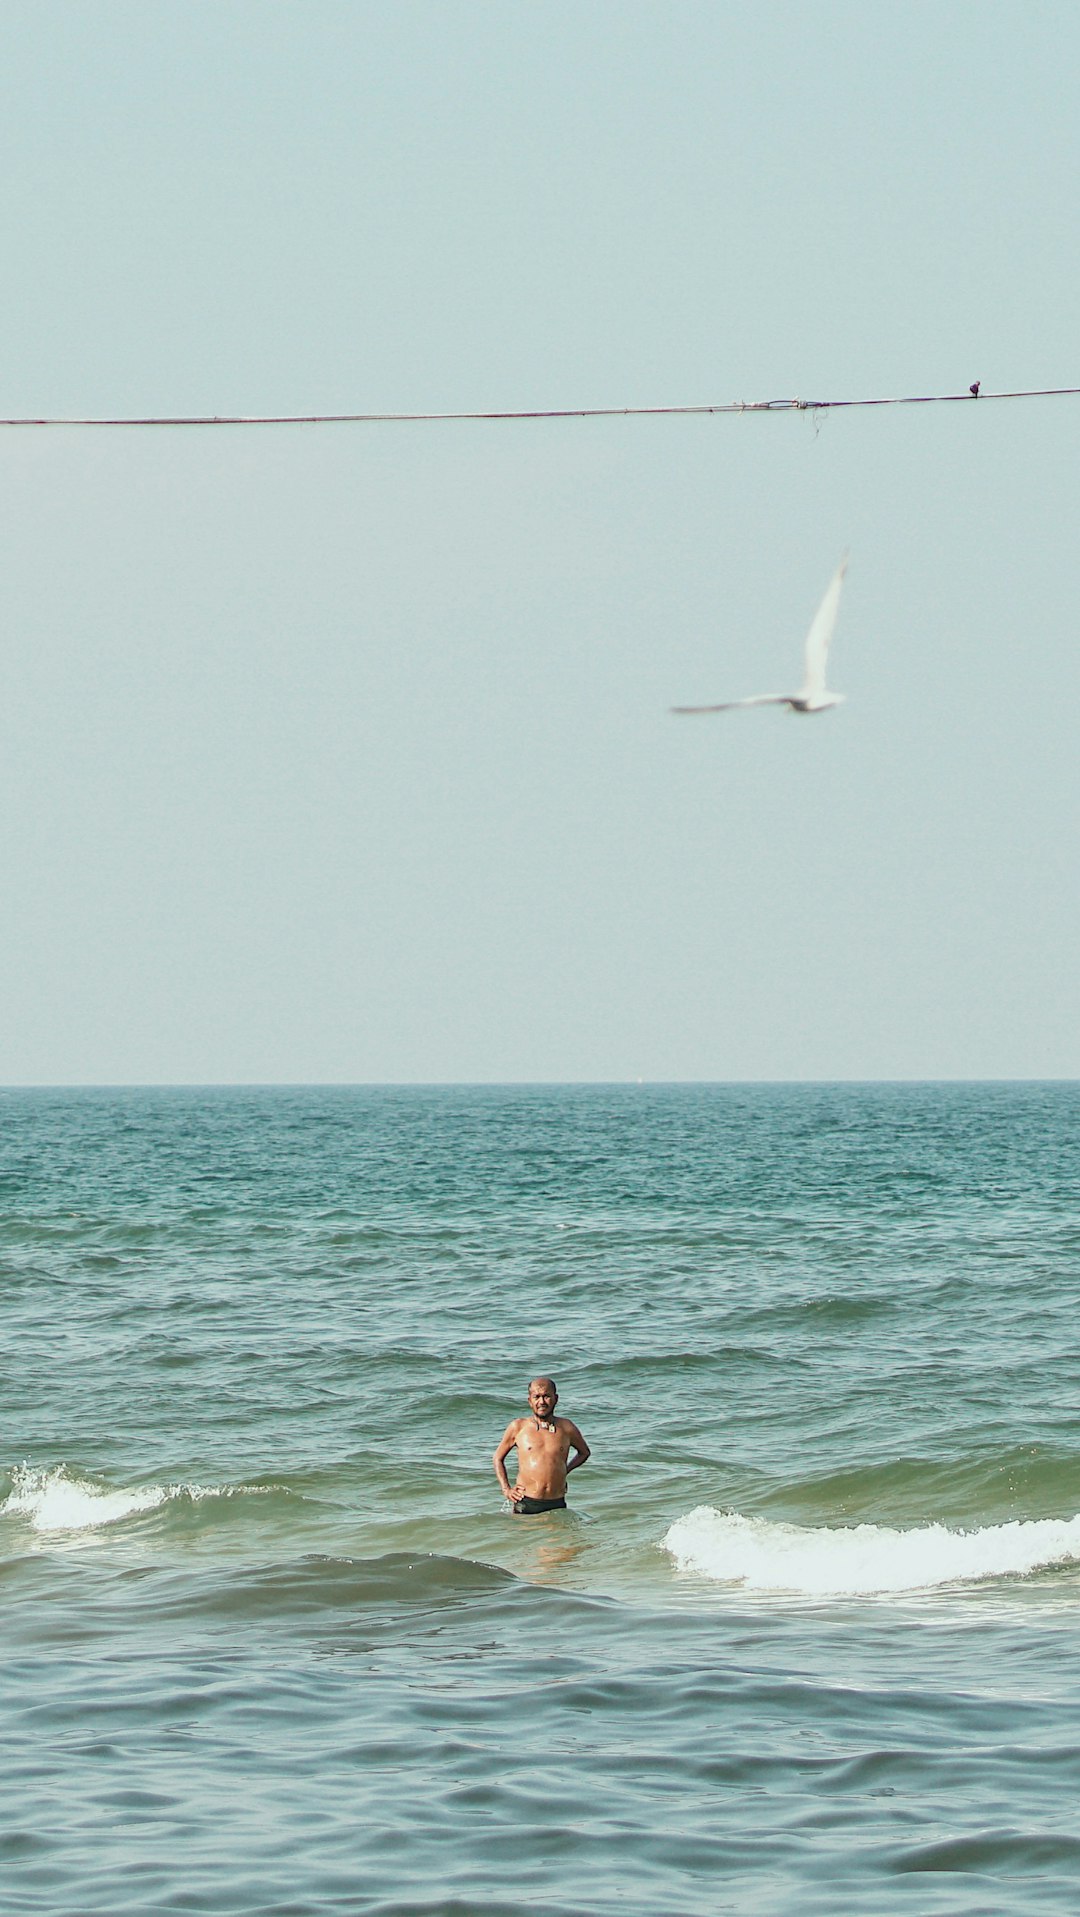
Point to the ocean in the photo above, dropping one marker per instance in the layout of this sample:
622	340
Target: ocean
808	1638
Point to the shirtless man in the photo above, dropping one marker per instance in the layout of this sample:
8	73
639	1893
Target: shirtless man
543	1443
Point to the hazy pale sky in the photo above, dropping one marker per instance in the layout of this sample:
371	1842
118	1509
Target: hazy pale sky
343	753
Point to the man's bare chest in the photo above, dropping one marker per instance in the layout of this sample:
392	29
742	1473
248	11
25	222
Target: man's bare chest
541	1441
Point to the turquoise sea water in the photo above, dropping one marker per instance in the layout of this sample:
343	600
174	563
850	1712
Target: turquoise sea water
808	1640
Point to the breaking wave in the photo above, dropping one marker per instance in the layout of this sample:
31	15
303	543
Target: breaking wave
865	1559
53	1501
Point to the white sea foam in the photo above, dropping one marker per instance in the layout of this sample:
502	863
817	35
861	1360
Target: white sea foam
864	1559
54	1501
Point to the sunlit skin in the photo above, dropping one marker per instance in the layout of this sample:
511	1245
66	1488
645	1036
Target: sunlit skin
548	1448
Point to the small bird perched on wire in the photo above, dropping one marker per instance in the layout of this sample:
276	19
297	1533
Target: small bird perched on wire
973	389
813	696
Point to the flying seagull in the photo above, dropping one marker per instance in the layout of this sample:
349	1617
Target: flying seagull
813	697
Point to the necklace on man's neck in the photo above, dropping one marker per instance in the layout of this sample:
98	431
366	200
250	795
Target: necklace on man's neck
544	1424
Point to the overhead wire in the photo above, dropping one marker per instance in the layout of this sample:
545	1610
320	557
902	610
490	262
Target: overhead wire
542	413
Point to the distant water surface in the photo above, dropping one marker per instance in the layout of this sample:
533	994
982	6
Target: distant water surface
808	1639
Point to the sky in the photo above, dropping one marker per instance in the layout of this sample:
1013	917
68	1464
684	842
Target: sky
342	753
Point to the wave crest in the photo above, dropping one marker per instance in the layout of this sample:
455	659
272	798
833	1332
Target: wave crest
51	1500
862	1560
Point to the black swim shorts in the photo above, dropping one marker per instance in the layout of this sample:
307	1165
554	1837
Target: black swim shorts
530	1507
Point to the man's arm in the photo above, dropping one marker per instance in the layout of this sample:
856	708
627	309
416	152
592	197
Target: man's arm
502	1450
579	1449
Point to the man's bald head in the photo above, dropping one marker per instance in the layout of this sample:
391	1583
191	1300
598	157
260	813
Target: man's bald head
545	1385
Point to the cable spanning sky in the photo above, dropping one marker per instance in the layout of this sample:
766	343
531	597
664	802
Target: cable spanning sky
347	755
564	412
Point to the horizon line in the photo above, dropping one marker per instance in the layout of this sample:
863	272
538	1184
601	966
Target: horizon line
498	1084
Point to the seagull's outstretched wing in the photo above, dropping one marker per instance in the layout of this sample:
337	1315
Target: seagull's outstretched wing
819	635
729	705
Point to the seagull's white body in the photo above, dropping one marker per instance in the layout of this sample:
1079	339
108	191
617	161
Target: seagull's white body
813	697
